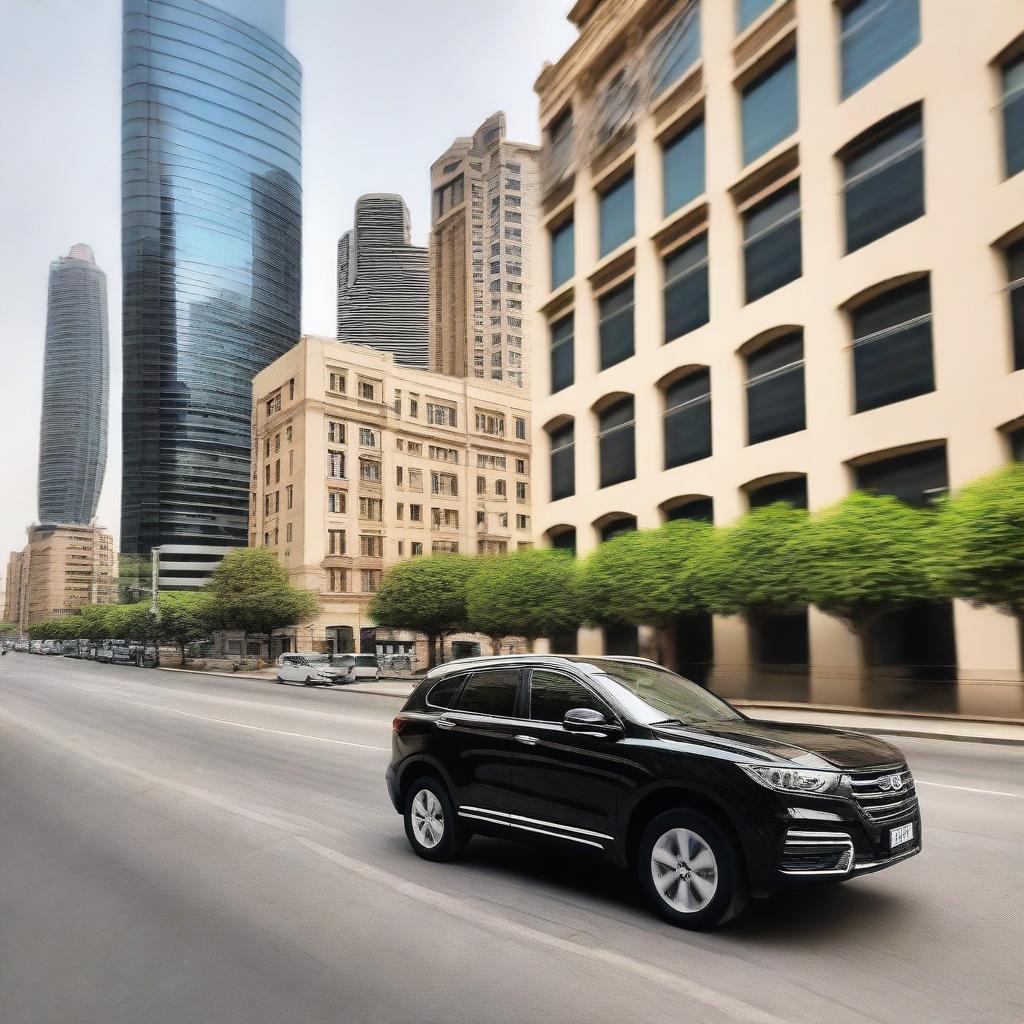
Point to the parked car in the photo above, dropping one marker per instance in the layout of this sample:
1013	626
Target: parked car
144	655
22	646
69	648
311	668
366	666
36	646
622	756
52	647
103	652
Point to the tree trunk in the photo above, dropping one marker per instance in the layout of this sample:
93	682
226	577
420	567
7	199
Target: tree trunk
431	650
183	658
530	643
495	645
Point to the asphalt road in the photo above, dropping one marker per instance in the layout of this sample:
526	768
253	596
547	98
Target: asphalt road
181	849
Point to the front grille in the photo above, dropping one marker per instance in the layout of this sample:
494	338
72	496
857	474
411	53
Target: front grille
817	853
878	798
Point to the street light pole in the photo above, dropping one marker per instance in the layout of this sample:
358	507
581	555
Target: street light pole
154	604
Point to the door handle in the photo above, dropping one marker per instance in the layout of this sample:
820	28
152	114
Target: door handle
530	741
444	723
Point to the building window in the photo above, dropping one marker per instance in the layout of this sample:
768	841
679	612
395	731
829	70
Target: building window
444	483
336	465
701	510
288	434
687	429
775	389
918	478
371	580
277	471
371	545
874	35
519	427
274	404
441	415
371	509
266	448
336	383
565	540
748	11
769	108
444	519
335	432
682	165
500	489
676	49
562	353
892	346
792	490
771	243
884	181
563	256
291	389
522	522
686	289
415	479
336	502
616	215
617	526
416	548
289	493
416	513
1015	273
563	461
444	547
369	469
1013	115
615	324
400	511
335	542
520	490
337	581
367	437
521	466
616	444
288	532
490	423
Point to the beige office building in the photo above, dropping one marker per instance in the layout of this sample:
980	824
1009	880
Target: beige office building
483	223
785	250
359	463
61	569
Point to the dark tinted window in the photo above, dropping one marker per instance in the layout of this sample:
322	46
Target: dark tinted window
892	346
884	182
563	259
918	478
563	461
700	509
874	35
616	215
562	353
747	11
683	167
616	444
443	693
686	289
793	491
688	419
565	541
677	48
771	243
1013	115
1015	273
769	109
626	524
615	324
775	389
491	693
552	694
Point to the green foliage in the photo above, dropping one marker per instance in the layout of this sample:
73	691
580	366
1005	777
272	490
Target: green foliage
754	565
250	591
185	618
978	548
425	595
529	593
6	628
866	556
648	577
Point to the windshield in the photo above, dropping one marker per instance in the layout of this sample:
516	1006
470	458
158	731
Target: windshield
316	659
649	694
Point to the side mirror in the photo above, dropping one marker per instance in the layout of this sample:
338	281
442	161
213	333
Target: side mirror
589	720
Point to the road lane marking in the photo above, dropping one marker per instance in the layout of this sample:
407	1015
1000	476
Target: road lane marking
970	789
256	728
732	1007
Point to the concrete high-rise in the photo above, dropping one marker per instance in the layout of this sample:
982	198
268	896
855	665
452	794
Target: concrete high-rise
76	385
481	246
382	282
211	245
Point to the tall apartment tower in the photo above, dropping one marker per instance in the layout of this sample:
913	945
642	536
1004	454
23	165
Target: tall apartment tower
382	282
211	247
482	224
76	385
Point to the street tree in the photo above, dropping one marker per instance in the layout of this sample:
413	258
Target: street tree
184	619
754	566
530	593
425	595
865	557
249	591
978	548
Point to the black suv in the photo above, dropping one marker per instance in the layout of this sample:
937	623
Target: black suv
623	756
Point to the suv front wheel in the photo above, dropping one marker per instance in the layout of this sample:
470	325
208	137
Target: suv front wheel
431	824
689	870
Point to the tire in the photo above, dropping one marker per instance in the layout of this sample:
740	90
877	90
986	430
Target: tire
278	680
429	795
309	681
702	896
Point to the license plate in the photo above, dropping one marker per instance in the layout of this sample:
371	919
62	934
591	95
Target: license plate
901	835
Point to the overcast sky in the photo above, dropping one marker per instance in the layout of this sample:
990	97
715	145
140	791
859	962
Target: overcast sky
387	85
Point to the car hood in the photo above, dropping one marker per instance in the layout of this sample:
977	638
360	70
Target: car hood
810	745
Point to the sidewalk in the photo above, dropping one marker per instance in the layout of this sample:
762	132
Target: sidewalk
907	724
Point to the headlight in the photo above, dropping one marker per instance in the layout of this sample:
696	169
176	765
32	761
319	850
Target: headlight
794	780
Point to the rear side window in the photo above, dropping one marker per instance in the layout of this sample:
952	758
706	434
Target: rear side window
443	693
491	693
552	694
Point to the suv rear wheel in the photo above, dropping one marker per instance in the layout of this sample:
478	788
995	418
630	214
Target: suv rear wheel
431	824
690	871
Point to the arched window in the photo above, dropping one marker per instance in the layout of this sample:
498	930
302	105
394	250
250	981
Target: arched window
616	442
563	459
775	387
687	421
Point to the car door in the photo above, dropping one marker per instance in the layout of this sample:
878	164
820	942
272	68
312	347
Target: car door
475	742
566	784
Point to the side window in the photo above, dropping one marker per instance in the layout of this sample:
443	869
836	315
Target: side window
443	693
552	694
491	693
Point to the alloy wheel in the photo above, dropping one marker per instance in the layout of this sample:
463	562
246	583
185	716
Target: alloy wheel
427	819
684	870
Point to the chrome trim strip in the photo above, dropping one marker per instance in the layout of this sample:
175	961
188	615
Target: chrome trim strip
797	833
527	828
535	821
834	840
887	860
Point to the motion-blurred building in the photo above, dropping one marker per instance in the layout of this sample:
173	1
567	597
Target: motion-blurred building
481	256
782	255
211	246
382	282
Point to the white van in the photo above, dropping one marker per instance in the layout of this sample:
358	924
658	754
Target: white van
312	669
366	666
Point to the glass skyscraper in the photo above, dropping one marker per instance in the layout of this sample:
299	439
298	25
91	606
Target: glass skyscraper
76	385
211	247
